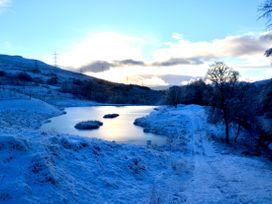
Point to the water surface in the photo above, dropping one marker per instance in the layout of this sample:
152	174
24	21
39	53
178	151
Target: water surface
120	129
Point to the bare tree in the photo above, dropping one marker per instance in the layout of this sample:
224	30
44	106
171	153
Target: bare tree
244	108
265	10
173	96
267	113
224	80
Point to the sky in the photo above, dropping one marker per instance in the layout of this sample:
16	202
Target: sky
152	43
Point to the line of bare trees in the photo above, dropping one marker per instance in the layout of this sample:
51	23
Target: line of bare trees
238	103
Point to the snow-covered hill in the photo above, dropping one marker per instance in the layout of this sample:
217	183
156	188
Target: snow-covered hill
34	67
54	85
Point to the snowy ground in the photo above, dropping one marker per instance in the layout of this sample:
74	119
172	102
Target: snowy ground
215	174
39	167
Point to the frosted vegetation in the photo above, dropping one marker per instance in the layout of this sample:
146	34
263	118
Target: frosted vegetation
197	164
192	167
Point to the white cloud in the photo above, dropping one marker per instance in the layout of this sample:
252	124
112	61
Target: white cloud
230	46
104	46
7	45
4	4
110	46
177	57
177	36
154	81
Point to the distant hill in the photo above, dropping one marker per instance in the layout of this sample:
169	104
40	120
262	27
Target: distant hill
262	82
38	79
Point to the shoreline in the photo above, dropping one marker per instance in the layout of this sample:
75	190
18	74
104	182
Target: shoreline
61	168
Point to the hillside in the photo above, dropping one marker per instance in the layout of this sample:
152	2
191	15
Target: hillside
40	80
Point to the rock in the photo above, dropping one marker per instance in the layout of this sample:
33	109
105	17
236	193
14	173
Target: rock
88	125
114	115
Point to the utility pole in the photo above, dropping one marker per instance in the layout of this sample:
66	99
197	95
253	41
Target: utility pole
36	64
55	56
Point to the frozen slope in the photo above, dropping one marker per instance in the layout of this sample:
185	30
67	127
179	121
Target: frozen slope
65	169
25	113
38	167
214	176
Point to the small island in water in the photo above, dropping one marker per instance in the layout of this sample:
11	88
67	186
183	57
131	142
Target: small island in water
88	125
110	116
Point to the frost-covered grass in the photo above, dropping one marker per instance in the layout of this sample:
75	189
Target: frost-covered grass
39	167
219	175
57	168
66	169
25	113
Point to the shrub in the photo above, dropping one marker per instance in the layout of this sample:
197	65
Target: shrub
77	82
173	96
23	76
36	71
52	80
2	73
38	80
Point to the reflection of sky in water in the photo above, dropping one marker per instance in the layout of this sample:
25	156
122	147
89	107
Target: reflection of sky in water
120	129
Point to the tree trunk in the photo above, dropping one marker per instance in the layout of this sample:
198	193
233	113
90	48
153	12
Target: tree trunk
238	132
226	119
227	132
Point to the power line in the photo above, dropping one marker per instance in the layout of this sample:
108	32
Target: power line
55	56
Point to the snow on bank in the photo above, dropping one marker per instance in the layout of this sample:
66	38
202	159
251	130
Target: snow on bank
38	167
42	168
27	113
175	123
217	176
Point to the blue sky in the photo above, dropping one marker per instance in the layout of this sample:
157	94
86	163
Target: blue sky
148	31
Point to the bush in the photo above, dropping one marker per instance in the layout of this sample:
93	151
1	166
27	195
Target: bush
23	76
266	123
70	88
2	73
77	82
36	71
173	96
52	80
196	92
267	100
38	80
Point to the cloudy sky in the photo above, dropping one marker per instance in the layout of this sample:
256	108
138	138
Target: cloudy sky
153	43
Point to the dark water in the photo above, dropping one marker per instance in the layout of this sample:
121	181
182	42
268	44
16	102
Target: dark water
120	129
